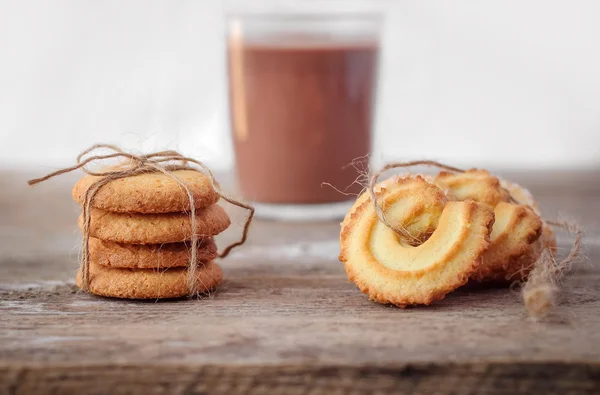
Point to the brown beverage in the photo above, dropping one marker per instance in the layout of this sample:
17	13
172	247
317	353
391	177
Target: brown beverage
300	114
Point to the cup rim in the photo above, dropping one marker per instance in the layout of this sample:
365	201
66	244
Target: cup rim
306	15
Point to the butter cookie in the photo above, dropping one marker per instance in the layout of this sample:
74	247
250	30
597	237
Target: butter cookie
134	228
148	256
518	269
390	270
149	192
149	283
516	228
474	184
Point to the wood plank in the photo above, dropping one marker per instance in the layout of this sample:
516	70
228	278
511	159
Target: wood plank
286	320
416	379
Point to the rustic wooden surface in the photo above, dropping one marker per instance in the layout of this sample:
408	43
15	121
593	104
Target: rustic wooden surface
286	320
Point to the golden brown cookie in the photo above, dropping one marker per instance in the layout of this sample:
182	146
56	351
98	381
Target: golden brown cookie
134	228
517	226
519	269
149	256
391	271
149	283
474	184
520	195
515	230
418	215
149	193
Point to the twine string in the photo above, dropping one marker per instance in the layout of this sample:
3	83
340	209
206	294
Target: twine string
374	178
576	231
539	292
165	162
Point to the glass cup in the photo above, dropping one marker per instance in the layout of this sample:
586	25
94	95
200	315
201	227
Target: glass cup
302	100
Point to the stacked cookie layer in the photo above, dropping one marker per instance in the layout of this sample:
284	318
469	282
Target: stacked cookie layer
140	232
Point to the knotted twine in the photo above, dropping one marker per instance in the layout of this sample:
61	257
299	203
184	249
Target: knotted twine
165	162
542	285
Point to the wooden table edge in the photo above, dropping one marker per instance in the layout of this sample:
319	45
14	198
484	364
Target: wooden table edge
486	377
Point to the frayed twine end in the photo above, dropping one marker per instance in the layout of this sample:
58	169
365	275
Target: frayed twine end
540	300
540	291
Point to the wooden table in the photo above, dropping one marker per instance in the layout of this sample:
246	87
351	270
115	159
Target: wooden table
286	320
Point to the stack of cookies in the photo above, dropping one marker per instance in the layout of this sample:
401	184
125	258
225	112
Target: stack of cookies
140	232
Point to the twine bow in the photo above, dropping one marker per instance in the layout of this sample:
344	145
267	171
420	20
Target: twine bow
164	162
539	291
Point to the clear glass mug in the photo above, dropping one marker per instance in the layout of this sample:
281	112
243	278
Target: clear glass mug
302	102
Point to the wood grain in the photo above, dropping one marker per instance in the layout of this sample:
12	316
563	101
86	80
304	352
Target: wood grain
285	321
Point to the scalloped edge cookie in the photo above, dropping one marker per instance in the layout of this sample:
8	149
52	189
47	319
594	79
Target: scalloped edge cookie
516	229
463	232
474	184
517	226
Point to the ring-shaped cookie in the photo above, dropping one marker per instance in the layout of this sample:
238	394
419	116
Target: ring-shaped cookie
391	271
517	227
518	269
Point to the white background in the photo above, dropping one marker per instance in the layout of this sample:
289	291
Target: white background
505	84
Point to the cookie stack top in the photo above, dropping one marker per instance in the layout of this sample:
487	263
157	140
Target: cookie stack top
149	193
152	208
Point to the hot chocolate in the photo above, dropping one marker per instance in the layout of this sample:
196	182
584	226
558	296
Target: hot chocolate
300	114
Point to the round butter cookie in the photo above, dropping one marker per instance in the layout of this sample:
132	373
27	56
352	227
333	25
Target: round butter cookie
149	256
134	228
149	193
149	283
